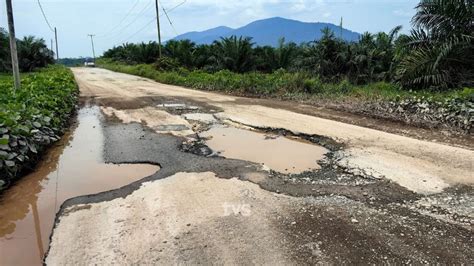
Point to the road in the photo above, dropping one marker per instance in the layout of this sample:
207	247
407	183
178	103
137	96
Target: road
259	181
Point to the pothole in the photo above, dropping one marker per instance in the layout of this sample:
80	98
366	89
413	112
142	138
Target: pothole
71	168
158	120
278	153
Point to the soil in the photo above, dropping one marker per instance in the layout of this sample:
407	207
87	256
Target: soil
378	197
73	167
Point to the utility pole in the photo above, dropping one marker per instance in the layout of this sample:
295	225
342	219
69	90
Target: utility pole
13	50
56	38
158	28
92	42
341	28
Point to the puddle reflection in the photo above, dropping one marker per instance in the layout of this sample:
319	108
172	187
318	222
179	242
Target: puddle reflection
279	153
73	167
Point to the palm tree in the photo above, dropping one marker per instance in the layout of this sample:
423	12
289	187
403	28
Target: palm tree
33	53
234	54
285	53
441	46
5	61
182	51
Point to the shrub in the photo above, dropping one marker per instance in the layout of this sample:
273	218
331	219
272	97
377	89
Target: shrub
33	117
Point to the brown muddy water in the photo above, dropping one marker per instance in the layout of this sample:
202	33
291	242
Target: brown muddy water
281	154
73	167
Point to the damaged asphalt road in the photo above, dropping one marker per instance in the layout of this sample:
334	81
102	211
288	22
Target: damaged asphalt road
203	208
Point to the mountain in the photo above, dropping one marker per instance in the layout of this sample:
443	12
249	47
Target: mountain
269	31
198	35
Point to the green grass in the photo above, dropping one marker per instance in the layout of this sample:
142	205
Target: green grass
33	117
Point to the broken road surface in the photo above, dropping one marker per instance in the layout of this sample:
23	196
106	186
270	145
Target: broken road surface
366	196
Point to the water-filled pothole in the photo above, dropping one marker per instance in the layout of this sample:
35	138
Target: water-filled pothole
278	153
71	168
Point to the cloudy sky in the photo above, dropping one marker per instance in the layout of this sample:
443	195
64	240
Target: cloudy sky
118	21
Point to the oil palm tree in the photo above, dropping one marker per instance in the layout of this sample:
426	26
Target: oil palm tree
441	46
234	54
5	61
182	51
33	53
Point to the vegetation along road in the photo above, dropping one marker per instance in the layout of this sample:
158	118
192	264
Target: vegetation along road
231	186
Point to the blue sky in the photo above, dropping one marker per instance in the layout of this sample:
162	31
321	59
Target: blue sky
117	21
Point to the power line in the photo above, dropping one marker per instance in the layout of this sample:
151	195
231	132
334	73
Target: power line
151	21
133	21
140	30
121	21
169	20
44	16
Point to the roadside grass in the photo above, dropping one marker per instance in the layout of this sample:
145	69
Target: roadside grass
33	117
281	83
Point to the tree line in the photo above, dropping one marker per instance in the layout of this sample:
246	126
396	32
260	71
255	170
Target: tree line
437	54
33	53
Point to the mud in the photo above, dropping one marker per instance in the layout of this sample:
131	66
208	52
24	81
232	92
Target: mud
319	227
345	212
338	230
73	167
271	151
346	113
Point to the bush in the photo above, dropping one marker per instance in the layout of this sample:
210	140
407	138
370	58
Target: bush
166	64
33	117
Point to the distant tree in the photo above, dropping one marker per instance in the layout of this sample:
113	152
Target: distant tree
33	53
182	51
265	59
5	60
234	54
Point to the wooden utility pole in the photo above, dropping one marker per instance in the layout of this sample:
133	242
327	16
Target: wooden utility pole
13	50
341	28
92	42
56	38
158	27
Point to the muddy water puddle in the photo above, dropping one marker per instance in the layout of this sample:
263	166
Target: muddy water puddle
278	153
73	167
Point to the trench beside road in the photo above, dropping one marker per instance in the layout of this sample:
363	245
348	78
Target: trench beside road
252	181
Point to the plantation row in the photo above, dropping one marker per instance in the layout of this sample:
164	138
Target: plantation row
32	53
437	55
33	117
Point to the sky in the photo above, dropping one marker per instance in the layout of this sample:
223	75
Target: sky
117	21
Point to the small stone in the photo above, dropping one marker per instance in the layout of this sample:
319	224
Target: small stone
293	223
354	220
